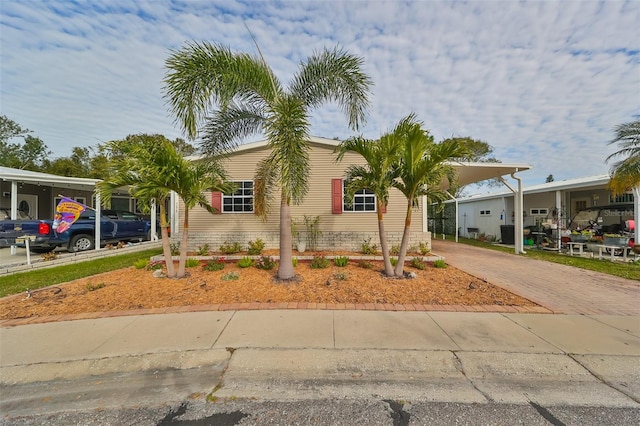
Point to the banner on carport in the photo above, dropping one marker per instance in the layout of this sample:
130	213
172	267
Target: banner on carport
67	212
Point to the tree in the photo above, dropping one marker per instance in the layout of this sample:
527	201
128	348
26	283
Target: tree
421	169
10	129
151	167
238	95
30	155
625	173
382	157
477	151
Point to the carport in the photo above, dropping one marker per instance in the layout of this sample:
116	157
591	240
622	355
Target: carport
469	172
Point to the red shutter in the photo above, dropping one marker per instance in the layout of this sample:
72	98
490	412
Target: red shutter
216	201
336	196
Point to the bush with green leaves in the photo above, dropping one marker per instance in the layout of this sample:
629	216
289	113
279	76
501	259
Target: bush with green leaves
395	250
230	248
294	261
245	262
255	247
266	263
440	263
215	264
341	261
418	263
365	264
394	261
230	276
203	250
423	248
368	248
319	262
192	263
155	265
140	263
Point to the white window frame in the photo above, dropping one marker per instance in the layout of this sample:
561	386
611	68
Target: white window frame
361	194
239	195
539	211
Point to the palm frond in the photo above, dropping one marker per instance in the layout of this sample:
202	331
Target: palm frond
265	180
226	128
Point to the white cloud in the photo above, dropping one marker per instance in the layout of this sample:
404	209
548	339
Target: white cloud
543	82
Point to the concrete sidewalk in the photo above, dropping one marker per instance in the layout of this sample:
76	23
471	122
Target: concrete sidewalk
298	354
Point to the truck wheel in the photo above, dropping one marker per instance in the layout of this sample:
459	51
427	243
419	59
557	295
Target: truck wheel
81	242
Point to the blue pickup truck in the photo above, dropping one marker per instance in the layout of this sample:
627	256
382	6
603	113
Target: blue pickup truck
115	226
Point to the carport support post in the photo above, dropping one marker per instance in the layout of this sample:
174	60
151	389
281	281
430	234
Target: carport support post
14	209
456	201
98	222
154	235
558	218
636	214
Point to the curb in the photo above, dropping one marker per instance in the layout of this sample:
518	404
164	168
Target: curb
282	305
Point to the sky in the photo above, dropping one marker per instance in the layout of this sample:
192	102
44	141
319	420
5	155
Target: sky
543	82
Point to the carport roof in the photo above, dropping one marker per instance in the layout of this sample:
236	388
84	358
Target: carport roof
469	173
45	179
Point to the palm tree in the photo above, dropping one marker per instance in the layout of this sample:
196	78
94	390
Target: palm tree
422	167
377	176
625	174
238	95
151	167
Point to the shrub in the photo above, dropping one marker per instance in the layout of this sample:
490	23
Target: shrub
395	250
93	287
256	247
245	262
365	264
156	264
52	255
319	262
418	263
140	263
341	261
368	248
230	276
440	263
340	276
203	250
423	248
215	264
174	248
266	263
233	248
192	263
394	261
294	261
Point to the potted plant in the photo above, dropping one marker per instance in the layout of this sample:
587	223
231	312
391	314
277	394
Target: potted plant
618	240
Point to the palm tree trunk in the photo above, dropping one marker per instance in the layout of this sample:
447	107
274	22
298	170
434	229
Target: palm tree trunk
285	268
183	245
405	240
166	246
388	268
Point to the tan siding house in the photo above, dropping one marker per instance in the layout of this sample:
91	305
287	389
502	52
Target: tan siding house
341	229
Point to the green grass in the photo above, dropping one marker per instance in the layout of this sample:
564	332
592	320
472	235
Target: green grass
38	278
629	270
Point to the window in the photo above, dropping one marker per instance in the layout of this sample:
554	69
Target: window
581	205
363	200
240	201
485	212
539	212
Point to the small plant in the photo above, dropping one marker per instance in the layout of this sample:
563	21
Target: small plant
109	247
215	264
312	226
368	248
233	248
121	244
319	262
245	262
395	250
365	264
203	250
394	261
157	264
340	276
423	248
174	248
418	263
440	263
140	264
94	287
52	255
294	261
265	262
256	247
230	276
192	263
341	261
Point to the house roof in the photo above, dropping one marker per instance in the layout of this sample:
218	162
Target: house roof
562	185
468	172
45	179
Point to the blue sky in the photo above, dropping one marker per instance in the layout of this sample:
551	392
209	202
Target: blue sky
543	82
